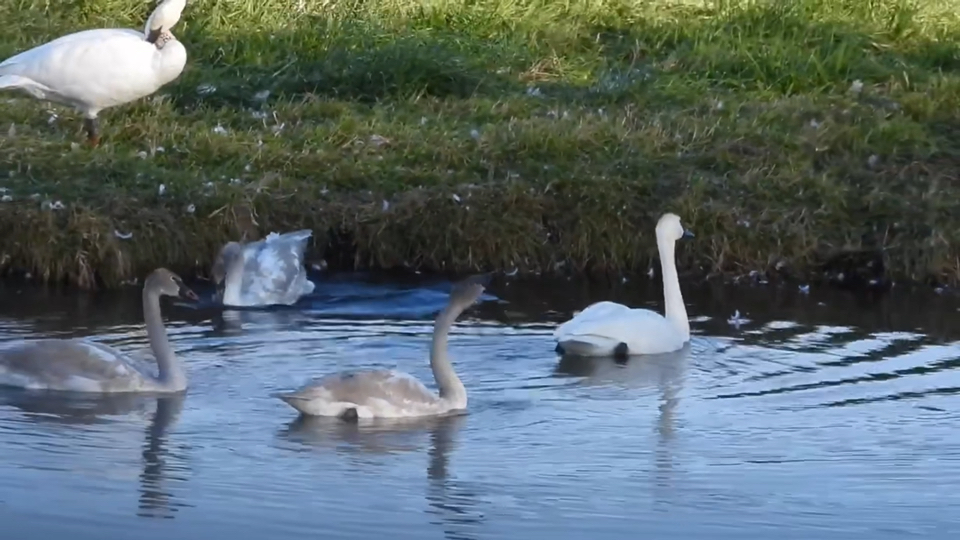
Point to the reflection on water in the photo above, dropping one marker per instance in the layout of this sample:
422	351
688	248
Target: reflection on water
68	408
825	416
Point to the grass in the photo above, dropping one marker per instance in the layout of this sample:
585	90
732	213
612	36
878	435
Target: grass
446	135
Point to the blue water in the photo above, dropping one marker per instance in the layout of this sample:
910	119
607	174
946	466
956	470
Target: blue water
823	415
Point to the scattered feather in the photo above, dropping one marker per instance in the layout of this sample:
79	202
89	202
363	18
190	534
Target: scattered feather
737	320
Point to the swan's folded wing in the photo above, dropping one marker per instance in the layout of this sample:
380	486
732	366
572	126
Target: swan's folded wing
620	325
594	314
373	389
62	364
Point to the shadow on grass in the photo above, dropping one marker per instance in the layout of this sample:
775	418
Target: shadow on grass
768	48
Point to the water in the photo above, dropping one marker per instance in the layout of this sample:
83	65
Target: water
824	416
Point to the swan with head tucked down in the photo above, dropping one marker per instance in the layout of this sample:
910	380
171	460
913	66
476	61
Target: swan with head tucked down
391	394
83	366
263	273
92	70
611	329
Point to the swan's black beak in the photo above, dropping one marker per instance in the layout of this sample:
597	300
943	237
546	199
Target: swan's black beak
687	233
188	294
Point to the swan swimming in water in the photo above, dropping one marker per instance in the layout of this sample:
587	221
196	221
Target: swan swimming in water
83	366
391	394
611	329
92	70
263	273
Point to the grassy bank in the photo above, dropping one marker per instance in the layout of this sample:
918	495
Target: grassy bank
493	134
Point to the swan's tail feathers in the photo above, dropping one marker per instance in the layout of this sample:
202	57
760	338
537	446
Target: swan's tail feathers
29	86
293	399
15	81
587	345
10	81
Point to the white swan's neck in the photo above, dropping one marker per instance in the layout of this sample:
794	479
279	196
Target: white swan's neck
233	280
674	309
163	17
170	374
451	388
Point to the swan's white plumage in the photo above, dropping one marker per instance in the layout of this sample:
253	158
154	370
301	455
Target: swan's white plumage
604	327
92	70
164	17
270	272
601	327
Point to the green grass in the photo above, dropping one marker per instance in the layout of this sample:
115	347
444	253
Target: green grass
564	128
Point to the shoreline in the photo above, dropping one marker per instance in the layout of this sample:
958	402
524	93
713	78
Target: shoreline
805	140
384	241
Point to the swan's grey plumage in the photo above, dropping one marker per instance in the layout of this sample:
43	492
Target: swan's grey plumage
84	366
392	394
265	272
612	329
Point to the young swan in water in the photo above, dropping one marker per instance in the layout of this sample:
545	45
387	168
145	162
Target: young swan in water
611	329
263	273
390	394
82	366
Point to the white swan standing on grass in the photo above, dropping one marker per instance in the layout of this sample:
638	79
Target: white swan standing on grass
263	273
391	394
611	329
84	366
92	70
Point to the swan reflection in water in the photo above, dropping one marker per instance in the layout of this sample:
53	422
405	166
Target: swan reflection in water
155	500
663	372
455	504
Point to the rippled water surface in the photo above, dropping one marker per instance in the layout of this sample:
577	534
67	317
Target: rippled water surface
822	415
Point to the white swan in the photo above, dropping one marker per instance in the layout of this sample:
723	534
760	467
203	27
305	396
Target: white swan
83	366
611	329
263	273
391	394
92	70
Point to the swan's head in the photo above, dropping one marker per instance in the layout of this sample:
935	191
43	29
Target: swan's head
669	228
466	292
165	283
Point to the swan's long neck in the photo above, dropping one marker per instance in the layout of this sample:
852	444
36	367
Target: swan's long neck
451	389
170	374
676	312
232	280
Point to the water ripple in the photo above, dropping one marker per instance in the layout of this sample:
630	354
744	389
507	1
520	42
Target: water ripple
809	421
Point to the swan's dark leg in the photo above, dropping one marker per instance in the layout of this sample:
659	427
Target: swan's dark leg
621	352
350	415
92	126
558	349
